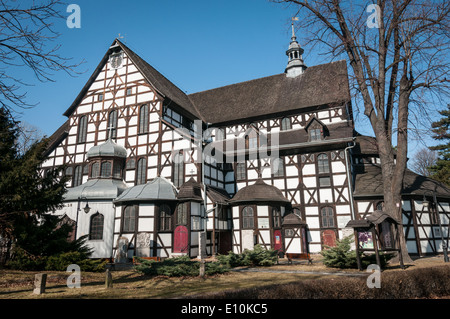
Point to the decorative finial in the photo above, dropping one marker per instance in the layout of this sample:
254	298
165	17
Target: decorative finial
293	38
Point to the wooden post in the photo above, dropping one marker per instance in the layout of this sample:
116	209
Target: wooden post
202	268
108	279
39	283
358	259
375	246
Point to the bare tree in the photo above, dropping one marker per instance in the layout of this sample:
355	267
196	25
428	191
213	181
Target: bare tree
397	51
423	160
27	34
28	135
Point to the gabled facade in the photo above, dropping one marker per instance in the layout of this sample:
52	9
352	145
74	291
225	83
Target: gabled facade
270	161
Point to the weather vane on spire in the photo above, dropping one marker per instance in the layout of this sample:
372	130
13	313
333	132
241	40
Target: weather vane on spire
120	37
292	25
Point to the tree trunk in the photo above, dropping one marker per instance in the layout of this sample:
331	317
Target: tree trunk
393	164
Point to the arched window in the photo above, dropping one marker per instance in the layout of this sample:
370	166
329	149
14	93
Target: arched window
165	218
141	172
77	176
105	170
129	219
112	122
95	169
327	217
143	119
322	162
248	221
286	124
178	169
82	129
96	226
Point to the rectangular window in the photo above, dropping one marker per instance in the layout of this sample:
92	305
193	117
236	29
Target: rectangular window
278	167
165	218
289	232
112	124
276	215
196	223
324	181
100	97
327	217
105	169
182	212
178	169
315	134
241	171
248	220
322	162
129	91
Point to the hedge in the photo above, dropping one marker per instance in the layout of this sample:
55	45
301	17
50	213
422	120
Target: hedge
416	283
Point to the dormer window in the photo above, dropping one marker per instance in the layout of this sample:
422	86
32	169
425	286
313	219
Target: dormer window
316	130
286	124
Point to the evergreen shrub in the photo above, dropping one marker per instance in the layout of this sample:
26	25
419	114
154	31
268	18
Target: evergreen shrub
342	256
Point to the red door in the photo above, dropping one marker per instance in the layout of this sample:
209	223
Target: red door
180	240
277	242
329	238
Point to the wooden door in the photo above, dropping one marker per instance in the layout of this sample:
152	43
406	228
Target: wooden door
224	243
329	238
180	240
277	241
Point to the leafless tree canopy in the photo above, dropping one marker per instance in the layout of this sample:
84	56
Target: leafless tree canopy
423	160
27	37
397	67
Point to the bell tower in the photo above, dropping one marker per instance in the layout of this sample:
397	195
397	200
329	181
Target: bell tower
295	65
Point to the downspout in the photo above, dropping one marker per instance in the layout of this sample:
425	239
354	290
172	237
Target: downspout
350	186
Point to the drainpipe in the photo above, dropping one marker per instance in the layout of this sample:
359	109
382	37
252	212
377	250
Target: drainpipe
350	187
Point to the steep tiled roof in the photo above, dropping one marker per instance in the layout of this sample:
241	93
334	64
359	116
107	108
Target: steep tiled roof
318	85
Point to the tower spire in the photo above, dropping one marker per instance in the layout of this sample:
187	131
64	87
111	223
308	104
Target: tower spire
295	65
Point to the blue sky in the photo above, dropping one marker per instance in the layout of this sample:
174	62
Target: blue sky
197	44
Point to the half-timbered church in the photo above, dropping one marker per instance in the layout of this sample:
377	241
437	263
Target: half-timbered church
274	161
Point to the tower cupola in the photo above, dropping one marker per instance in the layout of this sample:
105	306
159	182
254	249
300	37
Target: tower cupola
295	65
